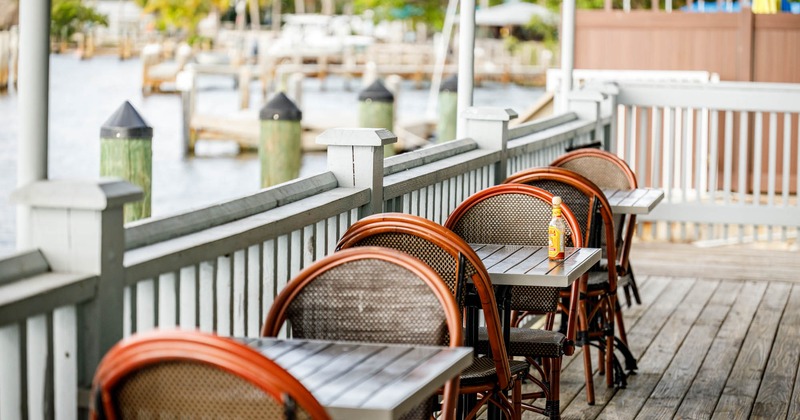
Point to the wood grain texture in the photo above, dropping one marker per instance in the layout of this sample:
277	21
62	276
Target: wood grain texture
676	380
702	396
744	380
774	395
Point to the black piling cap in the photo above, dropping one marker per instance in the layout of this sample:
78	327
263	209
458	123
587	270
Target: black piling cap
376	92
126	123
450	84
280	107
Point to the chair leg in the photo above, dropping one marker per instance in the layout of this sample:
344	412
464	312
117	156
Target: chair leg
517	399
620	324
610	341
633	285
583	335
553	401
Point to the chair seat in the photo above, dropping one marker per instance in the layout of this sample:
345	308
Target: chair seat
482	371
532	342
598	280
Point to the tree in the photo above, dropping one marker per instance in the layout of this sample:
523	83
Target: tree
71	16
181	14
431	12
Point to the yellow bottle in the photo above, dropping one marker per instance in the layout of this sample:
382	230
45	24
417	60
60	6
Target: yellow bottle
555	233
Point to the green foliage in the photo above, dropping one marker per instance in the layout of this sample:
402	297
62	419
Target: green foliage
430	12
71	16
180	14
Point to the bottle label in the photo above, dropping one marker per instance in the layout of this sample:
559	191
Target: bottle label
555	249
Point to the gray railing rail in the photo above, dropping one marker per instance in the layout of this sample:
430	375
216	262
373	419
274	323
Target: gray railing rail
219	268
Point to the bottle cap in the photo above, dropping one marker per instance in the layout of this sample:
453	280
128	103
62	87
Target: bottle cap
556	201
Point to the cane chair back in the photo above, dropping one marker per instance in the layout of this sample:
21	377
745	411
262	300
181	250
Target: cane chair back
187	374
602	285
448	255
371	294
608	171
514	214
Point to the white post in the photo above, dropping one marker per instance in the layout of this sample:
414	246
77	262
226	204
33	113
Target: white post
488	126
586	104
567	52
355	157
34	73
78	226
466	62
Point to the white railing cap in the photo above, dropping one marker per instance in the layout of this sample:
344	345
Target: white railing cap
356	137
489	113
78	194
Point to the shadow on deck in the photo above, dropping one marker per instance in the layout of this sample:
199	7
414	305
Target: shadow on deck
717	335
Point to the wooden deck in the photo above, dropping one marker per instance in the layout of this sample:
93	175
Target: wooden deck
707	347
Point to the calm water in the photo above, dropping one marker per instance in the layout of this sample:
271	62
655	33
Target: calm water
83	94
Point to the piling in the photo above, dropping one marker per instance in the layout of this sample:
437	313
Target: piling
376	110
126	152
279	144
5	50
448	106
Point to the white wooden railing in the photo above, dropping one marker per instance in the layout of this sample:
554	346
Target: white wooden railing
38	336
726	155
219	268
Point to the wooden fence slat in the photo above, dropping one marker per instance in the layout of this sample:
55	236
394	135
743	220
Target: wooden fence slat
11	372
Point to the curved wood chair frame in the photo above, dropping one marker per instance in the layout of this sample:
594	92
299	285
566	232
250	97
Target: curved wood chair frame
147	349
625	237
607	298
552	367
278	311
456	247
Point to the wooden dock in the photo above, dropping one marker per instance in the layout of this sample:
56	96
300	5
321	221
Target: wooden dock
708	345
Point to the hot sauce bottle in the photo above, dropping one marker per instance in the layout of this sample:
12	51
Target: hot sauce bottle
555	233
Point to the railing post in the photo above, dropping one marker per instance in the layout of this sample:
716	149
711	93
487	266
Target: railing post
489	128
586	104
607	109
355	157
78	227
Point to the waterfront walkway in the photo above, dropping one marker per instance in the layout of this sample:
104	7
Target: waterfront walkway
707	347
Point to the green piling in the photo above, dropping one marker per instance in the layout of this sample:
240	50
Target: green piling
448	106
126	152
280	145
376	110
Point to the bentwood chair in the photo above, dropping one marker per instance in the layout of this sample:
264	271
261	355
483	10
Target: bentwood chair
376	295
593	213
455	262
187	374
608	171
515	214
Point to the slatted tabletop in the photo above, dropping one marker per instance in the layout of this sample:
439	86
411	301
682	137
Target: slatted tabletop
366	381
636	201
514	265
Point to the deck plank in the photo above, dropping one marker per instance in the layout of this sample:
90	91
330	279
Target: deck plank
708	384
708	346
572	379
775	392
664	335
668	393
745	378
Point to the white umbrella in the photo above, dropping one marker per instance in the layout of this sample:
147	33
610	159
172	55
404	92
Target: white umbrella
513	13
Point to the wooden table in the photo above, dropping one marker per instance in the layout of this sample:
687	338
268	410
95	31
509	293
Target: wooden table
366	381
514	265
636	201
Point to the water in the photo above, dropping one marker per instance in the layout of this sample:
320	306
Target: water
83	94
